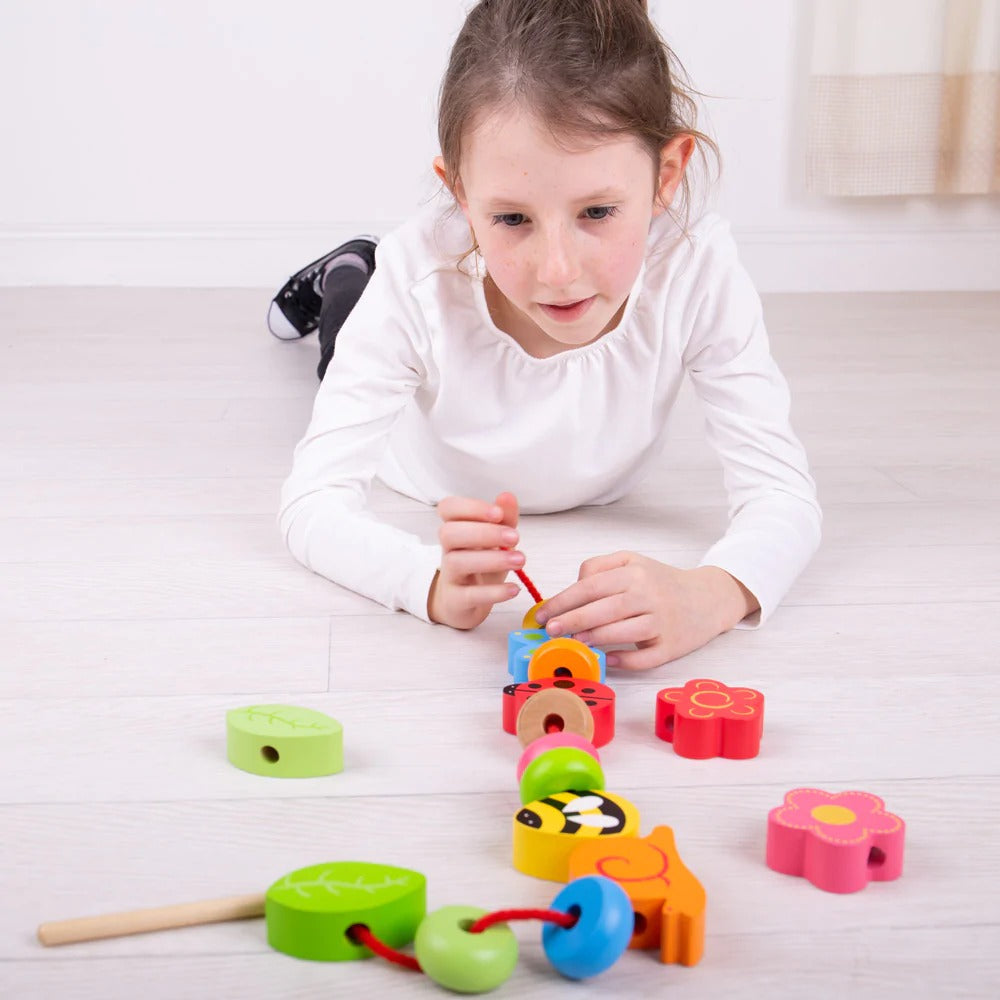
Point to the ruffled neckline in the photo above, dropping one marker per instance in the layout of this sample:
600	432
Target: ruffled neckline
604	343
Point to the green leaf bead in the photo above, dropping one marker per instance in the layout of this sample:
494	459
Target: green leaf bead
310	910
284	741
460	961
563	769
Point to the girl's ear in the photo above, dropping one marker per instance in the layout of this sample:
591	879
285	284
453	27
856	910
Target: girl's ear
673	162
456	189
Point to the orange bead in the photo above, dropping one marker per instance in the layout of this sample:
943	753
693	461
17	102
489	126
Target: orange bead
564	657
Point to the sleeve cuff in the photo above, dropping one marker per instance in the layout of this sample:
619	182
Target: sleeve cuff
415	583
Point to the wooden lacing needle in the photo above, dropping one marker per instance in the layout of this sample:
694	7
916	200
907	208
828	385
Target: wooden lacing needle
157	918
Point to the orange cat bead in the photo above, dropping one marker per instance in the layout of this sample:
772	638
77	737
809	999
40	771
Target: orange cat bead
669	901
547	831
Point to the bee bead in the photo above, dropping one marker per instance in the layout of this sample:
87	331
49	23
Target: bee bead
547	831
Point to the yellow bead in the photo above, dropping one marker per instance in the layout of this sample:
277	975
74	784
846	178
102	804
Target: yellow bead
530	621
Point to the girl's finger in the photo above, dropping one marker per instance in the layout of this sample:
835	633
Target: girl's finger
601	564
507	502
477	595
460	563
591	607
476	535
469	509
583	592
639	659
642	628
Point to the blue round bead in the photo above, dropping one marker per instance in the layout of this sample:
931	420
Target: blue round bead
601	934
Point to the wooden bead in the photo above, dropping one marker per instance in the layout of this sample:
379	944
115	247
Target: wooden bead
460	961
553	707
547	831
309	911
551	742
669	902
560	770
565	657
839	842
706	718
530	618
601	933
599	698
520	646
284	741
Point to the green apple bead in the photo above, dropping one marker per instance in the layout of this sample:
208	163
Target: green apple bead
460	961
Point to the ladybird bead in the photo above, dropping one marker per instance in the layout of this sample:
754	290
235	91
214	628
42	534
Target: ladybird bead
460	961
605	924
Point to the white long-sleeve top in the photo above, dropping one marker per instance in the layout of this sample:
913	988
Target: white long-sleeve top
425	392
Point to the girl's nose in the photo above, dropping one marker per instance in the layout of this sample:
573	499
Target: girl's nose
558	264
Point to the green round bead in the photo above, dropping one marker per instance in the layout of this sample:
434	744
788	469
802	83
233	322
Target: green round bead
460	961
562	769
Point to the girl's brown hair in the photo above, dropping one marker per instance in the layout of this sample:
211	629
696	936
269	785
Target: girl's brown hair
584	67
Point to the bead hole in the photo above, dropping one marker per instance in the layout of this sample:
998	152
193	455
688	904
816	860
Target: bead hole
574	911
876	857
352	933
640	924
269	754
562	672
553	724
668	727
466	924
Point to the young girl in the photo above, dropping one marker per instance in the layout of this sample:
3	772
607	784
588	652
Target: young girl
521	352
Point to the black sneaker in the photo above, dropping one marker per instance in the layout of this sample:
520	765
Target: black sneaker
294	311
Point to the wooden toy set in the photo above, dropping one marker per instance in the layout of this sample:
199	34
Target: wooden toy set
622	890
570	825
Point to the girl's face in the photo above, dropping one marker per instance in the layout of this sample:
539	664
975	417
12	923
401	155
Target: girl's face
562	230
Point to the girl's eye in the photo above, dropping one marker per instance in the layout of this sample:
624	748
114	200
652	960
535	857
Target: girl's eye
512	220
600	212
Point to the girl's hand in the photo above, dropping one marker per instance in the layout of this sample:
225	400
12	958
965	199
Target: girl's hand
474	538
666	612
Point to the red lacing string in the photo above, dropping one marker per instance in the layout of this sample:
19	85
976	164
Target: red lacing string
532	589
536	594
565	920
361	934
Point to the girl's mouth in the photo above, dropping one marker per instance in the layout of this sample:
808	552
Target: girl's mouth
568	313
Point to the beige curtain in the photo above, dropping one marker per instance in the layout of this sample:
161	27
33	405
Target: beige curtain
904	97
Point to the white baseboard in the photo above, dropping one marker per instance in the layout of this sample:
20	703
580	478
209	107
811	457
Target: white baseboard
930	259
263	256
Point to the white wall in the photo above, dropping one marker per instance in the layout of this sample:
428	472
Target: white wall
226	142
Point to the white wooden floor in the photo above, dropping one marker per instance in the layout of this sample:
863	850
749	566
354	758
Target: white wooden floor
144	590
